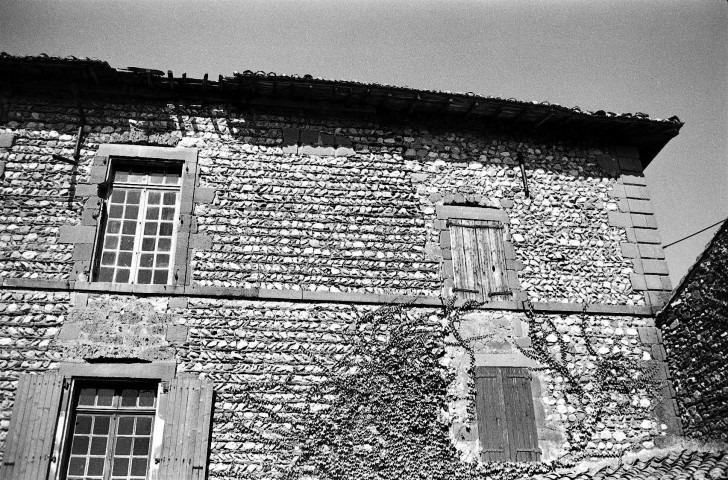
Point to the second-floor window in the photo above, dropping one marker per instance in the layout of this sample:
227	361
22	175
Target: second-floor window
138	240
479	261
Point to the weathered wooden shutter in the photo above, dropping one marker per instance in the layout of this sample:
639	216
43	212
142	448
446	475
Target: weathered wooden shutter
479	262
186	411
492	257
463	244
33	422
520	416
490	410
506	418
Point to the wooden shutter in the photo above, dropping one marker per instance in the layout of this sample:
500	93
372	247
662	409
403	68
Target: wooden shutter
520	417
479	262
492	257
463	244
186	411
490	410
33	422
506	419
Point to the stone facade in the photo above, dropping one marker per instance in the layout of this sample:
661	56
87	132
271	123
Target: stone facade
303	219
694	325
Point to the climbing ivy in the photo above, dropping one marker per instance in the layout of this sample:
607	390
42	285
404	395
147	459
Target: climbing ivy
377	410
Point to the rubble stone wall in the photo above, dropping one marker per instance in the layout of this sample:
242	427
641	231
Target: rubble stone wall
694	329
303	218
271	353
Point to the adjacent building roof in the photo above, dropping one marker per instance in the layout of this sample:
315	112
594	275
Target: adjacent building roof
94	77
683	464
687	278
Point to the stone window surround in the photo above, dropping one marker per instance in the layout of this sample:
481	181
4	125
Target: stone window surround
513	266
85	237
162	371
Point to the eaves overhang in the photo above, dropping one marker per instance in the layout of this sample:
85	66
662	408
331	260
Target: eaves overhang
97	79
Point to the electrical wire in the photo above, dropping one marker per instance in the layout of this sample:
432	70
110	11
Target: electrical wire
693	234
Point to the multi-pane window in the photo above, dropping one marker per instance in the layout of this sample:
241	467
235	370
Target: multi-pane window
111	432
139	235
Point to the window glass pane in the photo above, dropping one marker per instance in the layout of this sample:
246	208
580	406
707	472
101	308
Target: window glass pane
124	259
144	426
77	466
105	397
148	244
168	213
126	426
141	445
162	260
121	175
156	177
121	466
137	176
172	177
96	466
154	198
129	397
129	227
118	196
153	213
122	276
145	277
127	243
80	444
87	396
115	211
165	244
98	446
160	277
131	212
170	198
133	197
147	397
106	274
108	258
111	241
165	229
139	466
123	446
101	425
150	228
146	260
113	226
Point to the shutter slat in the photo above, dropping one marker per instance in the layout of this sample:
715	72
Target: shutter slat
191	424
464	258
18	420
490	411
179	444
187	429
520	416
32	429
200	460
492	258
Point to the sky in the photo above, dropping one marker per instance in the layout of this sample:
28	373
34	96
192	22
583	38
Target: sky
661	57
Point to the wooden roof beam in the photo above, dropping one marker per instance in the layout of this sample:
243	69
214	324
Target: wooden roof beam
471	108
543	120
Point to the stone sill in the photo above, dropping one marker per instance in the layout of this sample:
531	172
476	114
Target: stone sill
308	296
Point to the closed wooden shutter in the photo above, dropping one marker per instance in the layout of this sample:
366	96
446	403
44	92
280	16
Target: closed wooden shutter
479	262
506	418
491	412
463	244
186	411
33	422
520	416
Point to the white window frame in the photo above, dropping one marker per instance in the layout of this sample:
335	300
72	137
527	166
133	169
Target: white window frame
141	217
